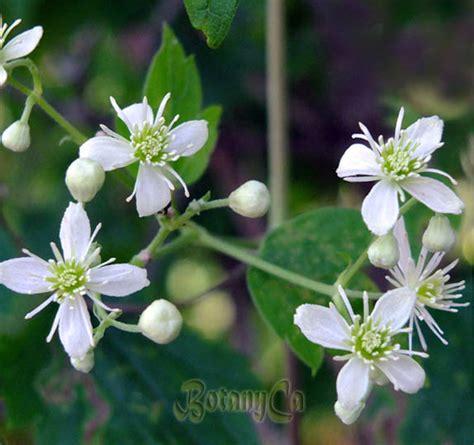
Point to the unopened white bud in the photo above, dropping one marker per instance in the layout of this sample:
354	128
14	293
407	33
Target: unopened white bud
384	252
84	178
439	235
17	136
84	364
348	415
251	199
161	322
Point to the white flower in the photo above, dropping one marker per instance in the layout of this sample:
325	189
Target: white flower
69	277
426	283
396	165
154	145
373	354
20	46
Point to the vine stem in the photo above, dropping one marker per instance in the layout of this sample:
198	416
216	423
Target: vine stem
75	134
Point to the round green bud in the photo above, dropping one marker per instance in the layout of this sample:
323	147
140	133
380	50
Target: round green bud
84	178
384	252
84	364
251	199
439	235
161	322
17	136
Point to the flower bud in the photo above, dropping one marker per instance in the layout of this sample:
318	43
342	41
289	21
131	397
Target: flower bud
251	199
348	415
84	178
384	252
84	364
161	322
468	245
439	235
17	136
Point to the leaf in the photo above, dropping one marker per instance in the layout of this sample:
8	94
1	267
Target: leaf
142	381
318	245
171	71
192	168
212	17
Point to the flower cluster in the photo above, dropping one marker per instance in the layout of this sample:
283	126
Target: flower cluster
373	343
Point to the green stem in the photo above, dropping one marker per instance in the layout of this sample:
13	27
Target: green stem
142	258
127	327
276	109
75	134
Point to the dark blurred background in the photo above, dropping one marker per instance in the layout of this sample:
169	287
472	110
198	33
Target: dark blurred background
348	61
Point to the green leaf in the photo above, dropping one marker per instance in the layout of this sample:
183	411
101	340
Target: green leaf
318	245
192	168
142	381
172	71
212	17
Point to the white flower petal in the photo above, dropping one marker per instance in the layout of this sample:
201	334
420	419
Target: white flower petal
404	372
358	160
380	208
400	233
22	44
426	132
137	115
118	280
152	191
75	232
394	308
348	415
434	194
3	75
188	138
109	152
75	328
25	275
323	326
353	383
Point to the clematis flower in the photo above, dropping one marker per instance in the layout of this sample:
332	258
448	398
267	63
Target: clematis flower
396	165
372	352
427	283
154	145
71	276
20	46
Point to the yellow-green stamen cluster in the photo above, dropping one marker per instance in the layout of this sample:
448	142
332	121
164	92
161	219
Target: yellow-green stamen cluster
371	342
151	142
398	160
68	279
431	289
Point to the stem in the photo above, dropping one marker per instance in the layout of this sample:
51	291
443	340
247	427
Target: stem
75	134
276	106
127	327
228	249
142	258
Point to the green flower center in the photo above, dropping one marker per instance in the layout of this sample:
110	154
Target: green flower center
371	342
68	279
431	289
398	161
150	144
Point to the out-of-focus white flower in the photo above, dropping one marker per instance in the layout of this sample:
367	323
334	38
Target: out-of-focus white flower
427	284
84	178
18	47
154	145
251	199
370	345
17	136
396	165
161	322
69	277
439	236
